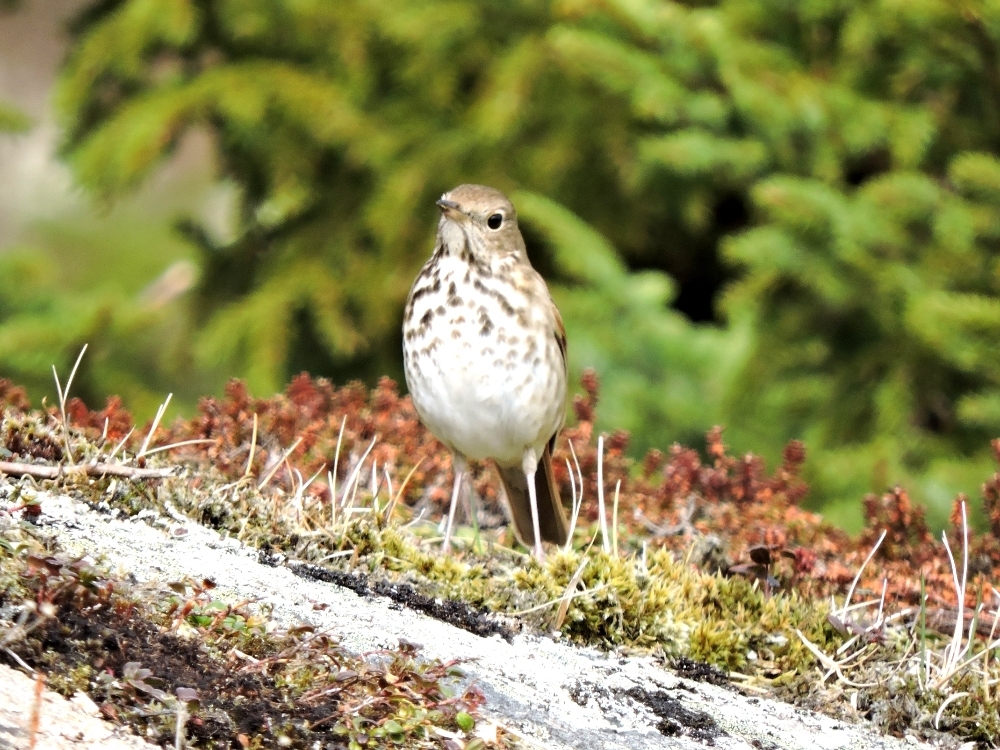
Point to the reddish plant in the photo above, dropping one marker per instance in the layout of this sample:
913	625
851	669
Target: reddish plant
666	499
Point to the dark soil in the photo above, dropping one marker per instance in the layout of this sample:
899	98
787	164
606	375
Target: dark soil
232	702
480	622
698	671
675	718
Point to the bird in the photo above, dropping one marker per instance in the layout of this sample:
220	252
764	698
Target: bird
484	356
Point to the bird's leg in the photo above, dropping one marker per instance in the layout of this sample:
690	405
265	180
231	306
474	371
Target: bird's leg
459	465
530	466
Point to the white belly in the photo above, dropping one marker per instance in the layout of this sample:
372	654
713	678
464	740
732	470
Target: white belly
486	395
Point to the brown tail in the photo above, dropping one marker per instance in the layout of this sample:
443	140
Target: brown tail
551	516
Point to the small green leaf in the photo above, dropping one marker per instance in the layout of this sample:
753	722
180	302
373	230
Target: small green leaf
465	722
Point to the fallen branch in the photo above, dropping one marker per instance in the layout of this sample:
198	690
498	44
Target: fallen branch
42	471
942	620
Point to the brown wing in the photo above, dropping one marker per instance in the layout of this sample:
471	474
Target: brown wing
560	333
552	523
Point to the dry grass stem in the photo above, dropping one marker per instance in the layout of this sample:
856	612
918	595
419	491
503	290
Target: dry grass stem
156	423
602	515
120	445
277	464
175	446
351	486
576	480
842	613
614	520
336	462
63	394
253	447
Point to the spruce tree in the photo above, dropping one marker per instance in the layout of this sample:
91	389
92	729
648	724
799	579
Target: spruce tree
818	179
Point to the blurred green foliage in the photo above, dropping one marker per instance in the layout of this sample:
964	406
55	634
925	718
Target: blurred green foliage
11	120
71	284
813	181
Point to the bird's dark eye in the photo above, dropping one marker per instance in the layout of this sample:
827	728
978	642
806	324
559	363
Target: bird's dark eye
494	221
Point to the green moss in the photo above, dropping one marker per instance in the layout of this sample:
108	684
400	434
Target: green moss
76	679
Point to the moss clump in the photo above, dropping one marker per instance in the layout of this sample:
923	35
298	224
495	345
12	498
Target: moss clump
663	604
74	680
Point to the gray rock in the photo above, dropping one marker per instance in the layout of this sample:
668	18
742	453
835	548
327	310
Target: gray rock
553	694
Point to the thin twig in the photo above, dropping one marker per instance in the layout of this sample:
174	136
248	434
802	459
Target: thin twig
20	662
42	471
833	667
388	483
564	597
940	712
952	650
572	519
683	525
299	493
36	710
331	482
574	581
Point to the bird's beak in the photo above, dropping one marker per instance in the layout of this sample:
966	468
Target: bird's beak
449	208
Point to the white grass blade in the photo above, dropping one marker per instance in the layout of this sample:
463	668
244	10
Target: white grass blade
120	445
156	423
63	394
336	461
355	476
944	705
72	374
577	498
605	542
575	514
278	463
331	484
181	444
614	520
842	614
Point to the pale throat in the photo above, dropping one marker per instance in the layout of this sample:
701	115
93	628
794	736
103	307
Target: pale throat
464	244
456	239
